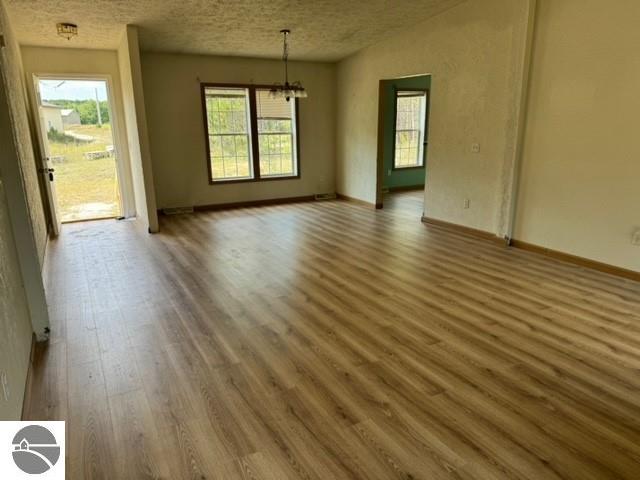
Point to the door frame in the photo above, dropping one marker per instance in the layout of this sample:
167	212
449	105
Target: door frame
125	182
44	174
380	147
382	112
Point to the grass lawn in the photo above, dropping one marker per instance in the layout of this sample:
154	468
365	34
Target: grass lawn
86	189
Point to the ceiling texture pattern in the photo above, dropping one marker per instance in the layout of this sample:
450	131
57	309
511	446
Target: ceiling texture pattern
322	30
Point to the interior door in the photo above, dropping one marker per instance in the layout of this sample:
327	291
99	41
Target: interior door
46	165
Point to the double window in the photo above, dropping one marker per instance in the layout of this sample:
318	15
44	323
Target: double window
410	129
250	135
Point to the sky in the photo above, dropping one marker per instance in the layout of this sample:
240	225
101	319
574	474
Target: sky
72	89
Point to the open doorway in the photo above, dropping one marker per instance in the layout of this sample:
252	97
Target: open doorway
79	146
403	127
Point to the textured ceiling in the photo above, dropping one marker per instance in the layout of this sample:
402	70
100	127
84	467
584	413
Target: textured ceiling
324	30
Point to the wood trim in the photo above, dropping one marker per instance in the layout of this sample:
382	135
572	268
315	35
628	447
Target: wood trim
236	85
576	260
461	229
252	180
297	138
253	136
253	203
548	252
401	169
406	188
364	203
205	123
380	146
83	220
253	118
26	399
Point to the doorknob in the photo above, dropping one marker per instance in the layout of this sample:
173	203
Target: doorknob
48	171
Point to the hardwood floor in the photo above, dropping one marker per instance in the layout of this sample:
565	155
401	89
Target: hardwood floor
328	340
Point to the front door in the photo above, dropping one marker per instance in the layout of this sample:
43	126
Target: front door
78	149
46	167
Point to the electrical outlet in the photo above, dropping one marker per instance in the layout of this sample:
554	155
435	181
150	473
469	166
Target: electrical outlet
467	203
5	386
635	238
389	173
475	148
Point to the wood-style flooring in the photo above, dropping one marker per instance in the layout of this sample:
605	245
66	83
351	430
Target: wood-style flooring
327	341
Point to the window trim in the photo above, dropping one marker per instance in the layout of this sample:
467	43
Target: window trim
395	122
254	135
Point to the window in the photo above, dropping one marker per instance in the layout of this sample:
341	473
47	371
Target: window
228	130
276	135
411	114
234	152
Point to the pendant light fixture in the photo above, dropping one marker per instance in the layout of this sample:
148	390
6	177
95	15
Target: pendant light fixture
287	90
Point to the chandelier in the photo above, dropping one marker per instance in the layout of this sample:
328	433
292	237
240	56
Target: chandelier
287	90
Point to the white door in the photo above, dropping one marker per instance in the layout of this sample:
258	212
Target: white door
46	165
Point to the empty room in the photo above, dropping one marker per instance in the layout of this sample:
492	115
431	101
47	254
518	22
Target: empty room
320	239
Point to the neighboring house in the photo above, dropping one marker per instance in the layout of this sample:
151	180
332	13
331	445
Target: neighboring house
70	116
52	115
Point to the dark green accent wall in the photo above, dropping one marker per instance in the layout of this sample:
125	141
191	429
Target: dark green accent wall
399	178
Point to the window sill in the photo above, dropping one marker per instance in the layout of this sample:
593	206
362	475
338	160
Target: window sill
417	167
253	180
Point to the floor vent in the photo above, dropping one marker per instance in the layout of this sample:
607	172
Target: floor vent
177	210
325	196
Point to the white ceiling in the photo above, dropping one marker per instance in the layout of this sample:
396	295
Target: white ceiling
323	30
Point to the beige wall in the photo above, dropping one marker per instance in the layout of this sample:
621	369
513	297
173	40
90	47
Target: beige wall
580	180
15	324
22	230
78	62
14	78
176	130
137	132
474	53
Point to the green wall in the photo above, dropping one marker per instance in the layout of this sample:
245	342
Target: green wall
399	178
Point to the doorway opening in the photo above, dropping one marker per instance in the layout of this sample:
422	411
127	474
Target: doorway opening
403	130
78	143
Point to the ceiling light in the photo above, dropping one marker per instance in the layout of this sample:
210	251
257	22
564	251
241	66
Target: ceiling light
287	90
67	30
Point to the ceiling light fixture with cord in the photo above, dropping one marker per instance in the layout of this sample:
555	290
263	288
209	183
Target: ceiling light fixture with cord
287	90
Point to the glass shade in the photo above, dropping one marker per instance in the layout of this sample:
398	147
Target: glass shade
291	91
